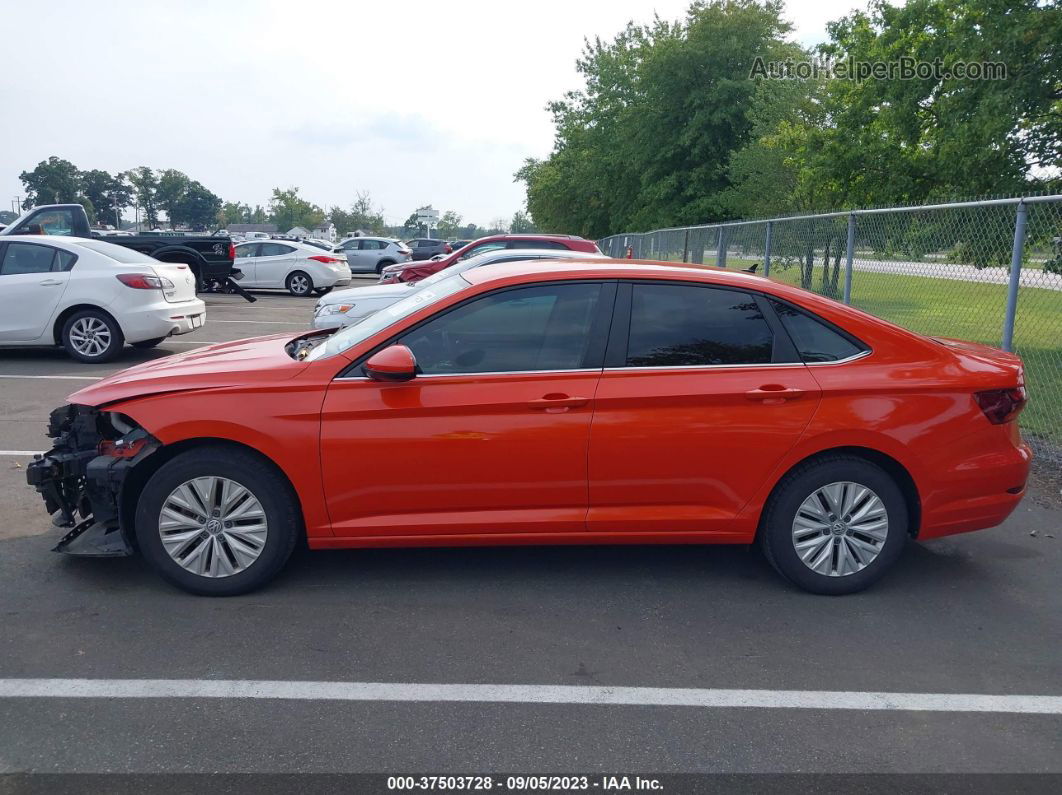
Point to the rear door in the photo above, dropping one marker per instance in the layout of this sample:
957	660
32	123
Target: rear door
33	278
701	395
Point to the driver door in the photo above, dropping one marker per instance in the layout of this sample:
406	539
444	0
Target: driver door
492	435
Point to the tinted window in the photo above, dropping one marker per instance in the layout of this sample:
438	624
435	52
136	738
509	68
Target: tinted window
673	325
247	250
273	250
483	248
536	244
372	245
531	328
64	260
26	258
814	340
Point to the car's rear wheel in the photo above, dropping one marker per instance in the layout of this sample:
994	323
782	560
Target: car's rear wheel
217	521
835	525
144	344
299	284
90	335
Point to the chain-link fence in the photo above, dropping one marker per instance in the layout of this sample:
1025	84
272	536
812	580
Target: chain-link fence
988	271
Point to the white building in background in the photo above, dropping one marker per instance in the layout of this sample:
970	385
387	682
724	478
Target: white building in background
325	230
300	231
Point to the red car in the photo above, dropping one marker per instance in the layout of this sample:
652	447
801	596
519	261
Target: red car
591	403
415	271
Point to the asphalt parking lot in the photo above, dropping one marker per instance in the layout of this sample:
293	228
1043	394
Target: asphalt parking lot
973	615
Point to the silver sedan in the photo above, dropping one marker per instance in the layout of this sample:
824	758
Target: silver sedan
346	307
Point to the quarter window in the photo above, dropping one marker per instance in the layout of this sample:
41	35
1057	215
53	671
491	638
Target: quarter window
677	325
26	258
526	329
814	340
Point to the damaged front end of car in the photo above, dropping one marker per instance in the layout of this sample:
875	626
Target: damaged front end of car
82	477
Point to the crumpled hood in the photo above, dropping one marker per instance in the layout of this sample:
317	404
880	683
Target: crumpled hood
254	360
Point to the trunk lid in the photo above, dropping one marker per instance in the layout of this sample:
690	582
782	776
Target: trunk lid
183	281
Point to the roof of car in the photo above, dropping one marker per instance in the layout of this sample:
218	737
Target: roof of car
603	267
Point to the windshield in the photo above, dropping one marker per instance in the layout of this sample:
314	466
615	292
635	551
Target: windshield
378	321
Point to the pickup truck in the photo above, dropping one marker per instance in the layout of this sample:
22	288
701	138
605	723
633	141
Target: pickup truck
210	258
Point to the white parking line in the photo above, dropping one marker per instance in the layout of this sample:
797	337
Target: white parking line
59	377
194	342
261	322
29	453
527	694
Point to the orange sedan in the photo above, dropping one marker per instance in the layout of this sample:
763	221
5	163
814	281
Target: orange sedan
605	402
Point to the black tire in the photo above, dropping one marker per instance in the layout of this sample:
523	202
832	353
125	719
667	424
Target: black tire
323	290
383	264
145	344
295	283
266	484
73	337
776	534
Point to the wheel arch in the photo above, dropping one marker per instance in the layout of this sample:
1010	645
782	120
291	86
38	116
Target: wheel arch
62	317
134	483
894	468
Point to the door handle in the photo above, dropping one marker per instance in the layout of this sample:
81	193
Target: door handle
557	402
50	283
773	394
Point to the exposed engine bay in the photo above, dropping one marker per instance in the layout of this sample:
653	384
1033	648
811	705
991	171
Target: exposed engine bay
81	478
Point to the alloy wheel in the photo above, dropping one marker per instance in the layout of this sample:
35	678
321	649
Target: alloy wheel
300	284
213	526
840	529
90	336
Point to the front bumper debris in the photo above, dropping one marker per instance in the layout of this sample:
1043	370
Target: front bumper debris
81	478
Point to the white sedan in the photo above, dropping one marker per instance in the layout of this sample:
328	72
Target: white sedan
91	297
299	268
346	307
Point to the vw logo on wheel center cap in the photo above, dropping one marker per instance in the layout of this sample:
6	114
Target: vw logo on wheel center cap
213	527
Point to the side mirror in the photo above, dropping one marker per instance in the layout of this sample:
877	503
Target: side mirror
393	364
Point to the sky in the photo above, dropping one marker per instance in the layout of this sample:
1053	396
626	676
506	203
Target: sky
414	102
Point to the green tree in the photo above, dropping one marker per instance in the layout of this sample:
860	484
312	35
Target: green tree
145	186
287	209
521	223
108	193
198	207
234	213
53	181
170	194
449	224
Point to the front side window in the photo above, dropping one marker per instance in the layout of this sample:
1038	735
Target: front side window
524	329
677	325
26	258
51	222
814	340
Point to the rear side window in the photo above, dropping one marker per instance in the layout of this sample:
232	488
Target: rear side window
814	339
126	256
677	325
536	244
274	250
26	258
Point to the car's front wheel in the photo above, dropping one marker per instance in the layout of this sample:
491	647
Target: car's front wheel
90	335
383	264
835	525
217	521
299	284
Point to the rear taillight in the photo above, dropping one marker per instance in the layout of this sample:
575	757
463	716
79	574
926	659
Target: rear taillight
1001	405
141	281
448	249
232	251
327	260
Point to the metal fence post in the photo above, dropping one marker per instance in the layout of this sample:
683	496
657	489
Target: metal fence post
1015	277
849	255
686	245
720	248
767	251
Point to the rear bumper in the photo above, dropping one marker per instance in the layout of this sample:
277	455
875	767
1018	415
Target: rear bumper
163	319
980	492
